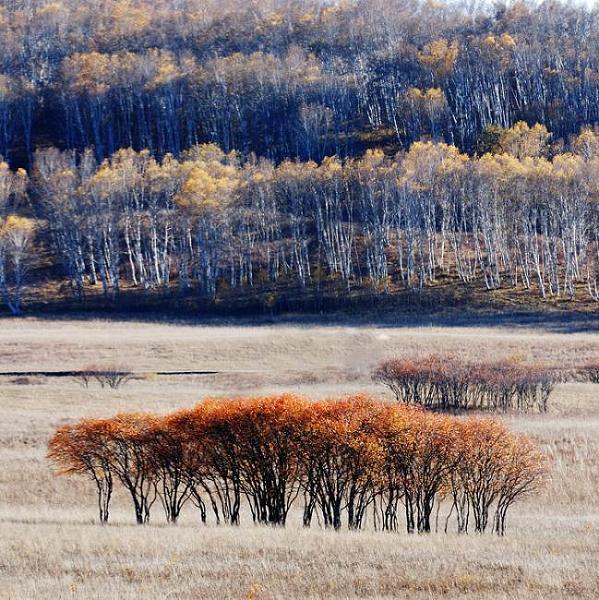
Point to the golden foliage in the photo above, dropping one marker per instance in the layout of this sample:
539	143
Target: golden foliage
439	56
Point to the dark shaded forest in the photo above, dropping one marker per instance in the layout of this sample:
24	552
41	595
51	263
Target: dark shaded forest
284	79
203	147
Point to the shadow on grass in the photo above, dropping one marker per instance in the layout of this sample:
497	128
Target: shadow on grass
551	321
446	306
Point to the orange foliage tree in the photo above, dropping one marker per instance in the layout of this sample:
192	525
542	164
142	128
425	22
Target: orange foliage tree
83	449
172	464
341	457
267	434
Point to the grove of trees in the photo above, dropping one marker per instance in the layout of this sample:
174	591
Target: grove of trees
409	220
448	384
348	461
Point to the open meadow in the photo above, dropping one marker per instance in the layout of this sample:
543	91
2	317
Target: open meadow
51	545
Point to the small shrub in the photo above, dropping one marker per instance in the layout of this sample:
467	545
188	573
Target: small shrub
23	380
112	376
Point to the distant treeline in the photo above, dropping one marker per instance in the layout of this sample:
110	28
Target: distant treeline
299	78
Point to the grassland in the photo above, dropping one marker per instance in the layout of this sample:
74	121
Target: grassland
50	546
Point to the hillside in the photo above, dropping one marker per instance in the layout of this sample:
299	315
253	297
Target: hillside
270	157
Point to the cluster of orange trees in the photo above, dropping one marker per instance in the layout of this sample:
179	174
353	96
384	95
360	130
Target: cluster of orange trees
447	383
348	459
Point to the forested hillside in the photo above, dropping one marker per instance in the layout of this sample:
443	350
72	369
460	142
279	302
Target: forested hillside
286	78
202	147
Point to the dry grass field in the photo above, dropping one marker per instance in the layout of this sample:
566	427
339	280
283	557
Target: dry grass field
52	547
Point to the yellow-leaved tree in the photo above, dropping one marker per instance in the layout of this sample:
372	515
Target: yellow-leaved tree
15	253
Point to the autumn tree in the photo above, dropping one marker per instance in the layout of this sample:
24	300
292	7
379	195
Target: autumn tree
213	460
449	384
476	479
84	449
173	466
341	455
16	235
132	461
525	471
428	456
267	435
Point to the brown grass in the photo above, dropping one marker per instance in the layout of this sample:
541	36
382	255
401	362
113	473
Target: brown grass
50	546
